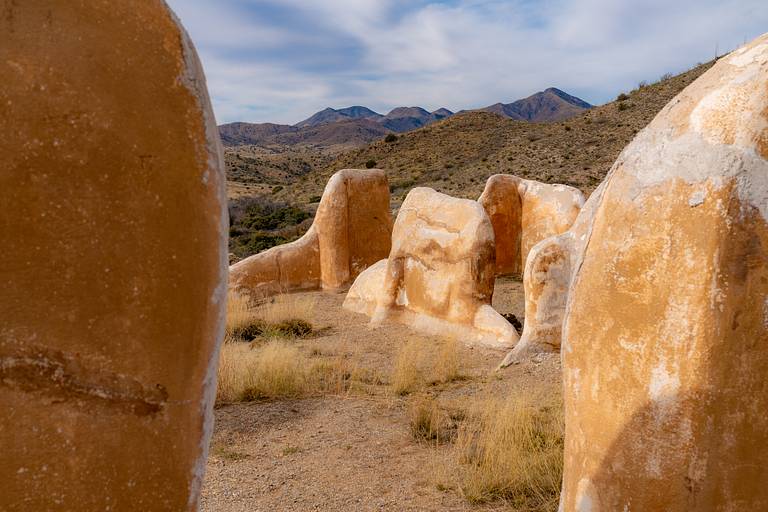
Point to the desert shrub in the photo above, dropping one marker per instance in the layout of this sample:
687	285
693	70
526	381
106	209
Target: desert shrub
390	138
509	449
370	164
314	199
257	224
624	105
268	217
400	185
622	97
277	189
252	243
283	316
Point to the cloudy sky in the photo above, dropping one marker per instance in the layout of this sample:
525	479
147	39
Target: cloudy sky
282	60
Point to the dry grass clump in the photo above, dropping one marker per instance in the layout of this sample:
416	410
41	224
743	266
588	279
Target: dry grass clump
430	422
239	315
418	363
284	316
511	450
277	370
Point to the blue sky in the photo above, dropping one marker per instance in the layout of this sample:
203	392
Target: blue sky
283	60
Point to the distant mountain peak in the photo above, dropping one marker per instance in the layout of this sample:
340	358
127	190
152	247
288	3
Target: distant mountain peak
361	124
551	104
569	98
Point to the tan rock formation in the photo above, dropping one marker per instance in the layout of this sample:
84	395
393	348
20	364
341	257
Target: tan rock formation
525	212
548	210
666	331
351	231
114	239
439	276
546	281
502	202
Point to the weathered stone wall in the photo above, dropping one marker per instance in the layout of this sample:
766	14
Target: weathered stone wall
548	210
503	204
667	326
547	279
113	237
440	273
525	212
351	231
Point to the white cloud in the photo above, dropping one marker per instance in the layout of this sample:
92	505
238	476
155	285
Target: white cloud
281	61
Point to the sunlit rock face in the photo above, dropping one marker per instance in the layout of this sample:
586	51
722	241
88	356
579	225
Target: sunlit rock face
549	270
525	212
113	238
666	331
351	231
440	273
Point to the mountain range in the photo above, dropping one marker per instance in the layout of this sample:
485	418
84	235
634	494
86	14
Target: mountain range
353	126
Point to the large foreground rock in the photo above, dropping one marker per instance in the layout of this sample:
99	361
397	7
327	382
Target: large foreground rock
525	212
440	273
666	334
113	233
351	231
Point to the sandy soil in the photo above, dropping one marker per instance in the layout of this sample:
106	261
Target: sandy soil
353	452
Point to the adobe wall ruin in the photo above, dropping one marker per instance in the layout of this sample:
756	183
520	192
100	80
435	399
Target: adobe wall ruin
351	231
114	242
666	324
440	273
525	212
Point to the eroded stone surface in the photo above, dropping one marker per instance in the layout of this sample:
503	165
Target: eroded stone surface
113	238
440	272
525	212
503	204
548	210
666	324
547	279
351	231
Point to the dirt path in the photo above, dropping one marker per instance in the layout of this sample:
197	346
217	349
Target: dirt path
352	452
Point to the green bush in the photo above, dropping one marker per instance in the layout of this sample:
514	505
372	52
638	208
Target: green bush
269	217
370	164
390	138
622	97
257	242
314	199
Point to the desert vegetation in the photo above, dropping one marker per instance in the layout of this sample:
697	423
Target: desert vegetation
258	223
447	401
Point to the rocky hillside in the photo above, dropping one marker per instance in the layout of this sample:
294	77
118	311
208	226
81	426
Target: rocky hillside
458	154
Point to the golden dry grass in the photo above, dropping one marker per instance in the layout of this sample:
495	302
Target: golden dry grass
285	307
280	316
239	314
509	450
277	370
419	362
430	421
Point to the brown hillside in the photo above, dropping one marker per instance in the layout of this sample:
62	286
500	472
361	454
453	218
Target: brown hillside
458	154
